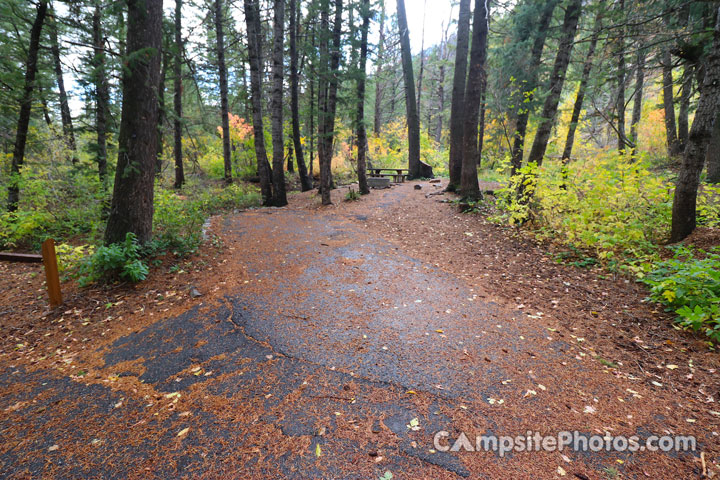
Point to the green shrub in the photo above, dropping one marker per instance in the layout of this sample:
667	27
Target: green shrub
708	206
119	260
178	219
690	287
57	201
609	205
177	223
352	195
71	257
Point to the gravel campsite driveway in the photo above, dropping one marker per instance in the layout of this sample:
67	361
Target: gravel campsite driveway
336	342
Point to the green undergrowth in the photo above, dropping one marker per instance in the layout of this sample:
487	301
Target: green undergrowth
177	230
688	284
612	211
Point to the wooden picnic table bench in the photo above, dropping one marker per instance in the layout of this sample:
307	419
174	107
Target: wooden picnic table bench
397	174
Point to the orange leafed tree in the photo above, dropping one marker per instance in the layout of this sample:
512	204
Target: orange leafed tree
240	130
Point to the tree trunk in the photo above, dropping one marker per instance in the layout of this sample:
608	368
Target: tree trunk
222	73
25	107
330	106
669	105
305	181
322	94
620	78
458	95
413	121
290	155
65	115
45	108
683	122
535	59
469	187
132	204
252	20
481	123
161	110
361	134
557	81
582	88
278	161
422	61
177	97
313	102
311	158
377	123
102	93
637	101
713	153
441	104
686	187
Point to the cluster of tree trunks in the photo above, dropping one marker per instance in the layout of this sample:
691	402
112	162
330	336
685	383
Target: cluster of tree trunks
252	20
305	180
413	120
31	69
523	114
469	187
458	95
557	81
361	133
222	73
278	168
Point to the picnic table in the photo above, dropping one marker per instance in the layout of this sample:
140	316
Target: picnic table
397	174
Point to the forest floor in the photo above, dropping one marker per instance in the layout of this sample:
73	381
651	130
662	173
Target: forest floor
334	342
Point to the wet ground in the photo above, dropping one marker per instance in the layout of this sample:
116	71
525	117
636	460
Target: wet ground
340	356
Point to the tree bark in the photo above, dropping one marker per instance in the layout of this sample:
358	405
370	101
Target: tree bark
441	106
637	100
422	61
278	162
669	105
683	111
222	73
161	110
535	59
620	78
441	102
582	88
469	187
65	115
132	204
377	123
252	20
686	187
177	97
102	93
305	181
25	107
361	133
458	95
713	153
413	121
557	81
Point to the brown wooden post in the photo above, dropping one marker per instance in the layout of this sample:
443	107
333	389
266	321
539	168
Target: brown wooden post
51	272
